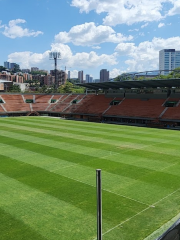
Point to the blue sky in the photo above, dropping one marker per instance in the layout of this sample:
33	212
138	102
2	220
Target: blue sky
118	35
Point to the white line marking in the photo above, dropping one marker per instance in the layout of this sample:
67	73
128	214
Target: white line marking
120	224
134	200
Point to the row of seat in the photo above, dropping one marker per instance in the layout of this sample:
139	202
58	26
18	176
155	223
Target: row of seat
90	104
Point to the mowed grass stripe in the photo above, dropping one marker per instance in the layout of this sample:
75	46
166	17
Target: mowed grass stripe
143	162
64	168
82	139
148	221
45	210
151	220
108	128
83	131
47	147
156	147
50	217
78	194
12	228
111	182
113	167
120	147
68	146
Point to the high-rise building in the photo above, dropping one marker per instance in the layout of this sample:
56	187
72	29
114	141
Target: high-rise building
87	78
7	65
169	59
91	79
80	76
11	66
104	75
69	75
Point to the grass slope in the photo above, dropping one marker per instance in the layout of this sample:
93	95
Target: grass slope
47	179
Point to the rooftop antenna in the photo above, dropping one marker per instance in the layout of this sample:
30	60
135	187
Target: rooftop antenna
55	56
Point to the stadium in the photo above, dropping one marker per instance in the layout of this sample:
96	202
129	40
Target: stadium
129	129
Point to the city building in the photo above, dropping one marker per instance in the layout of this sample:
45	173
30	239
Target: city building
104	75
7	76
49	80
5	85
14	66
7	65
34	69
87	78
91	79
80	76
25	70
69	75
11	66
169	59
61	76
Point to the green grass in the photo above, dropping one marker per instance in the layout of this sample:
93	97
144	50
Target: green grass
48	185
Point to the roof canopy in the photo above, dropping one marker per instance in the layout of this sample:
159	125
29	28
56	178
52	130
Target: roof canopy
169	83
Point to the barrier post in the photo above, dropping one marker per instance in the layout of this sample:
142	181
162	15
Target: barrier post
99	204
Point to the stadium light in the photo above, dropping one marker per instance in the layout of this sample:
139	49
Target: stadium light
99	204
55	56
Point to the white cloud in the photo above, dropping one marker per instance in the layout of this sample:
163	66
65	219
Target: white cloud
1	26
141	34
176	8
161	25
89	34
96	47
127	11
144	25
28	59
145	56
132	30
74	74
115	72
13	30
79	60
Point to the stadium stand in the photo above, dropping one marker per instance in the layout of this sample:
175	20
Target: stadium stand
15	103
2	109
94	104
151	106
41	102
173	110
137	108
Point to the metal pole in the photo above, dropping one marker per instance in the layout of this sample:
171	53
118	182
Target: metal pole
55	61
99	204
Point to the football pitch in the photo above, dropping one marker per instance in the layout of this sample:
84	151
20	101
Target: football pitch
48	179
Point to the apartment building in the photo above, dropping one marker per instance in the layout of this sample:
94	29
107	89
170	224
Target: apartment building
169	59
104	75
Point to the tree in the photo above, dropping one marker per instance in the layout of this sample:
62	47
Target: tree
122	77
66	88
14	88
39	73
2	68
175	73
69	87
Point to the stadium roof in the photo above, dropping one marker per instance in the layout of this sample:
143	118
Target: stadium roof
162	83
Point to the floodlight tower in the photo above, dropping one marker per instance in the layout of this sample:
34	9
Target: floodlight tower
55	56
